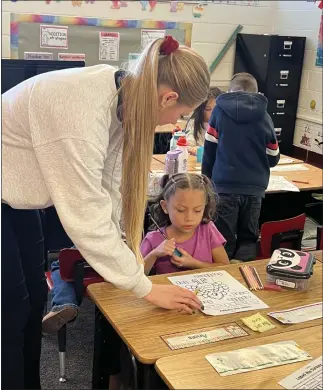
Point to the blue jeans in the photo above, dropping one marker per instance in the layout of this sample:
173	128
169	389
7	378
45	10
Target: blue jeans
63	293
238	221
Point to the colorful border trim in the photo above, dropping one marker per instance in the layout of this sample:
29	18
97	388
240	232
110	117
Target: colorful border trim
16	19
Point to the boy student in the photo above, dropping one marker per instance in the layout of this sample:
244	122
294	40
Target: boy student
240	147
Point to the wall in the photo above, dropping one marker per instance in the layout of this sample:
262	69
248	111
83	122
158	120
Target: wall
209	33
302	18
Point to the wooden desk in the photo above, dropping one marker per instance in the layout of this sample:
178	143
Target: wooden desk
141	325
192	371
318	255
314	175
157	166
169	128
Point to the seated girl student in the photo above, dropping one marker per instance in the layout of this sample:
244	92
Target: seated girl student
184	211
197	125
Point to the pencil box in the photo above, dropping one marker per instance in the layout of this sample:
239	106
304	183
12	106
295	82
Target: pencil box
290	268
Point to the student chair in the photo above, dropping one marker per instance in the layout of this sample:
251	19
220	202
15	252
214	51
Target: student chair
73	268
319	242
286	233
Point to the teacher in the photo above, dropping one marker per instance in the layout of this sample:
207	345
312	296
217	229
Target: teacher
75	139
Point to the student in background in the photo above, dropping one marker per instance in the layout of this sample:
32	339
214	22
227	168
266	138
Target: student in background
239	150
184	211
70	139
197	124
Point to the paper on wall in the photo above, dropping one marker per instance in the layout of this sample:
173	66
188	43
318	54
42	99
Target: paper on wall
299	314
28	55
132	60
149	36
290	168
219	292
109	46
279	183
70	57
55	37
257	358
307	377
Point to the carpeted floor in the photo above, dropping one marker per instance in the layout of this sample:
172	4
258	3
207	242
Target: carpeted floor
78	356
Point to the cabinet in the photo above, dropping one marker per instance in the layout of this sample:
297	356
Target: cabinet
276	62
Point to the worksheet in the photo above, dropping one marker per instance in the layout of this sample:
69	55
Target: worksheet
219	292
299	314
257	358
307	377
279	183
293	167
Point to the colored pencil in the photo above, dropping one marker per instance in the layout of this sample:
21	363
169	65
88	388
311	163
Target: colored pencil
253	282
300	182
245	278
258	278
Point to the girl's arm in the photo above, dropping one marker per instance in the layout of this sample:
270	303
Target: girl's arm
190	133
220	256
150	260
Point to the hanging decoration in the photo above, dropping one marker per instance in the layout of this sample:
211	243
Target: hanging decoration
152	5
89	1
77	3
173	6
117	4
198	11
319	51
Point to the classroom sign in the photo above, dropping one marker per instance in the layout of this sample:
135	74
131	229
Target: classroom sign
109	46
54	37
70	57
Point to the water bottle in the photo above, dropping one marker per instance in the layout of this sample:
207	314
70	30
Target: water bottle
182	145
171	162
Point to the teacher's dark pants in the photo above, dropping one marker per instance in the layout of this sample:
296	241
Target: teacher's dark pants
23	295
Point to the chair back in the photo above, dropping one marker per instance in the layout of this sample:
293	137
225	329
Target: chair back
287	233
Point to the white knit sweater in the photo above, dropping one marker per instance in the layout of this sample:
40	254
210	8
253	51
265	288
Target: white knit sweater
62	146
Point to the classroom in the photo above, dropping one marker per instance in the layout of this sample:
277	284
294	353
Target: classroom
162	194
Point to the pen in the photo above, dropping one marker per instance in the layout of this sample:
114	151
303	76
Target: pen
176	251
300	182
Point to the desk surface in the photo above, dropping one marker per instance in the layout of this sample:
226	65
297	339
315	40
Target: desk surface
141	325
169	128
318	255
314	175
193	371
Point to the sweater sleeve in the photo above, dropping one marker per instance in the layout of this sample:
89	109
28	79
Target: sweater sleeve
72	170
272	148
210	145
190	133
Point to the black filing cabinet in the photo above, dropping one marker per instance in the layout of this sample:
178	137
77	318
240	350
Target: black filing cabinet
276	62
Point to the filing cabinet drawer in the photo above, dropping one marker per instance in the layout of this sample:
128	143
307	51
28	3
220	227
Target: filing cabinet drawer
288	50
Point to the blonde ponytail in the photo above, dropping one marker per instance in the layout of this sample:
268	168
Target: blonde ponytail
186	73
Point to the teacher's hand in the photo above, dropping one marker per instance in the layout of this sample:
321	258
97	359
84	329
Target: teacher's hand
173	297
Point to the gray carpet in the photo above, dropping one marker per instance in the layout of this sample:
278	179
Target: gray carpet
79	353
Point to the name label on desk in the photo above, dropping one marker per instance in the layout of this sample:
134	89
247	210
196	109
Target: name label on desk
204	336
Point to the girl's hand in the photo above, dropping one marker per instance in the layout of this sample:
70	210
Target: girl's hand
186	260
166	248
174	297
192	151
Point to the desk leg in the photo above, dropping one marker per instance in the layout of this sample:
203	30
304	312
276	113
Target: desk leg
150	378
106	354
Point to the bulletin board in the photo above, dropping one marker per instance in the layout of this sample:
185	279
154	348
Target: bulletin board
100	40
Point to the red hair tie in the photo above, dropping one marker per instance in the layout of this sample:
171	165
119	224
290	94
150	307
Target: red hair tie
168	46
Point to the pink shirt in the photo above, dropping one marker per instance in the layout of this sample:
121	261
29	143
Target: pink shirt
199	246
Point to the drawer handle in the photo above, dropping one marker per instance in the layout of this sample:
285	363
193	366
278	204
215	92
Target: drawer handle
280	113
281	85
281	103
278	130
288	45
287	55
284	74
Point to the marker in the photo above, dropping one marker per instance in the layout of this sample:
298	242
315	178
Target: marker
176	251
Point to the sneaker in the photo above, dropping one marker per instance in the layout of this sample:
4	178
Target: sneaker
54	320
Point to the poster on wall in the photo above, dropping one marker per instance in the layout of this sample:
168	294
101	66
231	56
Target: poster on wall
309	135
109	46
28	55
319	52
54	37
149	36
70	57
